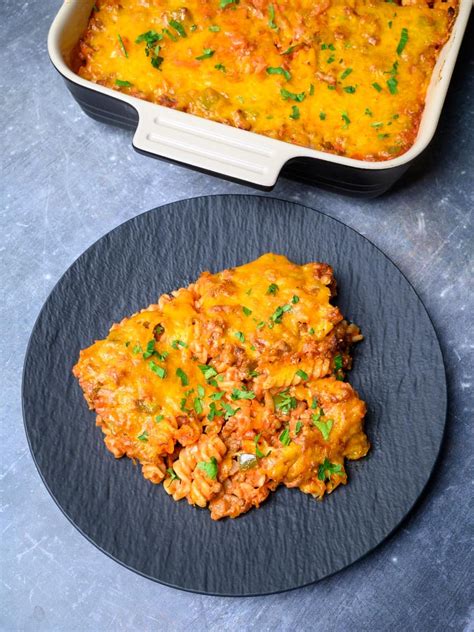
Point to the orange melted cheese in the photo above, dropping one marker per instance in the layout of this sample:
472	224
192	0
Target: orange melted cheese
242	362
343	76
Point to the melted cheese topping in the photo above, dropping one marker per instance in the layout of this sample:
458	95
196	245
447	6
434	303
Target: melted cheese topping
343	76
237	369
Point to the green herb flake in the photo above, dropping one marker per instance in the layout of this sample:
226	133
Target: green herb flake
197	405
295	299
258	453
326	469
271	17
330	59
368	112
346	119
178	27
143	436
261	325
178	343
284	437
137	349
382	136
403	41
172	474
284	402
214	28
295	113
229	411
330	87
323	427
214	412
346	73
311	331
208	371
240	336
298	427
123	84
253	374
392	85
157	369
311	90
377	86
217	396
206	54
210	467
242	394
150	350
220	67
193	27
122	46
150	37
286	94
182	376
159	418
246	310
349	89
271	70
302	374
278	313
272	288
322	116
289	50
338	362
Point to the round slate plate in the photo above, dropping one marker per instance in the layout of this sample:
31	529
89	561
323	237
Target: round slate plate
292	539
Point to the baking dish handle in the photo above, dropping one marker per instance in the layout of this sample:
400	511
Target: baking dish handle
207	145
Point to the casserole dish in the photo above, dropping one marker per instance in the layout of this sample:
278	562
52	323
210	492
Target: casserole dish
235	153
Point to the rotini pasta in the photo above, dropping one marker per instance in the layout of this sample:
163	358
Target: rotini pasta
232	386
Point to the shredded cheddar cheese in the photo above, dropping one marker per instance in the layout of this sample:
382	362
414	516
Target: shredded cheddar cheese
342	76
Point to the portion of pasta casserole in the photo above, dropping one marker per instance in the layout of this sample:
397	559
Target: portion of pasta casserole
343	76
227	388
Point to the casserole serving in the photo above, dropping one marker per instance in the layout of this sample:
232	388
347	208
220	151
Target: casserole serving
169	72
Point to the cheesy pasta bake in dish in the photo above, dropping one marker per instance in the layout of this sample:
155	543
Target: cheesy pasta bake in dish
227	388
342	76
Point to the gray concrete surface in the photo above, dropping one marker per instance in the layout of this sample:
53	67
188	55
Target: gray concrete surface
67	180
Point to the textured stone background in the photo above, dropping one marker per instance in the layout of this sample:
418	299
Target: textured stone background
66	181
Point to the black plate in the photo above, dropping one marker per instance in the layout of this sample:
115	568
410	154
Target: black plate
292	539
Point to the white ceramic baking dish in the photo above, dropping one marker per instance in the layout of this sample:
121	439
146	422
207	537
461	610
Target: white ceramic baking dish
234	153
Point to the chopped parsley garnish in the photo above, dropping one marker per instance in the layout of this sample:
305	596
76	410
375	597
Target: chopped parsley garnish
284	402
240	336
178	27
229	411
302	374
298	427
143	436
171	35
368	112
376	124
217	396
178	343
377	86
392	85
150	349
311	331
157	369
159	418
272	288
330	59
208	371
258	453
286	94
193	27
242	394
327	468
214	28
214	412
182	405
295	113
271	17
284	437
182	376
123	84
137	349
253	374
261	325
382	136
210	467
295	299
224	3
246	311
346	119
278	313
150	37
330	87
349	89
327	47
197	405
323	427
403	41
172	474
288	50
322	116
206	54
346	73
122	45
311	90
338	362
279	71
220	67
200	391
